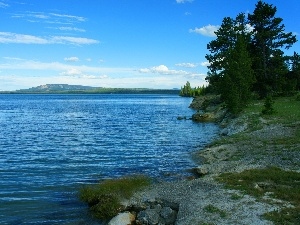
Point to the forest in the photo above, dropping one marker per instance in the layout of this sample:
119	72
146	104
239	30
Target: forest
248	59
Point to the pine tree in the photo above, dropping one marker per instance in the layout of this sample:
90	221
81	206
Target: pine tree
268	38
238	76
226	39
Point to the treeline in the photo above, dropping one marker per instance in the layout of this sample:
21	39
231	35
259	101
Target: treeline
188	91
247	58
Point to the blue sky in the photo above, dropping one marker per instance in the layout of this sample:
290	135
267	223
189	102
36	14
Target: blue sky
116	43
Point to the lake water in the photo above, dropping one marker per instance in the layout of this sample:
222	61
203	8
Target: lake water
50	145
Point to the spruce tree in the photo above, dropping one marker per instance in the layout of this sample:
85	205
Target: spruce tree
219	48
268	38
238	76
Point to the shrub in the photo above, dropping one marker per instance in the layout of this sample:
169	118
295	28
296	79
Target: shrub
104	199
268	110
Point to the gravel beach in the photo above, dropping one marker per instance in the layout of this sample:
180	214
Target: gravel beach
206	201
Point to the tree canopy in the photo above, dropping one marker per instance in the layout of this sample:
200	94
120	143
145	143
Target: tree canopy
248	55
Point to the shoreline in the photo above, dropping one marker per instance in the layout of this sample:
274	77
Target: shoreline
205	200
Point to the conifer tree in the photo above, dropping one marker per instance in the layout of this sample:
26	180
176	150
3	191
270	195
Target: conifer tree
238	76
226	39
268	38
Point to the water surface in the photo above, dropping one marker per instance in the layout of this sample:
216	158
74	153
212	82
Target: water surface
50	145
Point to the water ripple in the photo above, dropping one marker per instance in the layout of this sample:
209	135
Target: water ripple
52	144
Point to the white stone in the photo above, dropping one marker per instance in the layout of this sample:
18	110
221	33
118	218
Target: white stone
125	218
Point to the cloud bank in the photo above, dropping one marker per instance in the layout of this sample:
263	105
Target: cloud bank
14	38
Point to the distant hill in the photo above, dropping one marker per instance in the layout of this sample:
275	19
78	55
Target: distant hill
57	87
80	89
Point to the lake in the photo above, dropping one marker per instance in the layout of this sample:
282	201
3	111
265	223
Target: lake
51	145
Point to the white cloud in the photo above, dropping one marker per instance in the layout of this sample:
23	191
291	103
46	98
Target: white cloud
14	38
78	18
183	1
205	64
22	64
163	70
249	28
72	72
53	18
3	5
72	59
193	65
72	40
71	29
7	38
75	72
187	65
208	30
40	16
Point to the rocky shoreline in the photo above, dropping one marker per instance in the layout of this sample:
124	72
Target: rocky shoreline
206	201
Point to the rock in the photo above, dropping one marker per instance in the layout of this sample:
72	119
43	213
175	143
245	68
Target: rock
224	132
201	171
158	212
172	205
205	117
125	218
168	216
148	217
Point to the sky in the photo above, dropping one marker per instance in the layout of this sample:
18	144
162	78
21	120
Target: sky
116	43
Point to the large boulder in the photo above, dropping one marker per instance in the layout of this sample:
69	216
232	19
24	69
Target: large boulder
125	218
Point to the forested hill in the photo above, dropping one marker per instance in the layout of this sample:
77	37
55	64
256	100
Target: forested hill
80	89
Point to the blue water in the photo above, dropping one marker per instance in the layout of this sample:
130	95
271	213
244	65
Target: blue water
50	145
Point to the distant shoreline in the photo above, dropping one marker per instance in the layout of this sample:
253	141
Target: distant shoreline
80	89
167	92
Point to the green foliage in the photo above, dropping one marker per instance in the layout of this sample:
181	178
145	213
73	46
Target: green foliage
213	209
104	198
284	185
268	106
268	38
264	42
188	91
238	77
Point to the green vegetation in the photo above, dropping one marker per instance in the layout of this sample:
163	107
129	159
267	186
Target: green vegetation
188	91
274	182
214	209
270	184
247	57
268	110
104	199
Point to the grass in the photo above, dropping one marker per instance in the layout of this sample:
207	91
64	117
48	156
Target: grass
104	199
287	110
213	209
272	182
283	185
